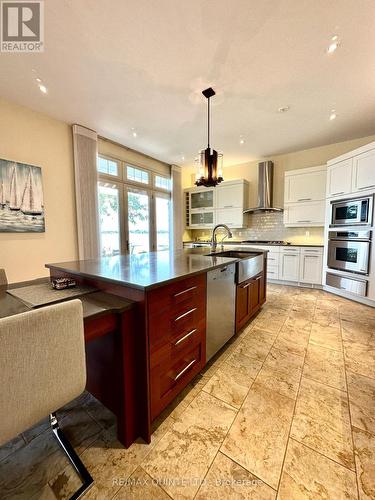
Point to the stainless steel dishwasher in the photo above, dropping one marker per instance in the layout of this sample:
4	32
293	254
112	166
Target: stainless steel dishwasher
221	303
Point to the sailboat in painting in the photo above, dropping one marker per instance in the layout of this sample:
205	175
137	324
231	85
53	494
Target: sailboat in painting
31	204
2	195
14	202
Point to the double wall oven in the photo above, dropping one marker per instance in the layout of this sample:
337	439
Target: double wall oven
349	245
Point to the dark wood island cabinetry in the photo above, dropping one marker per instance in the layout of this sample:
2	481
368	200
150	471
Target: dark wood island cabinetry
163	343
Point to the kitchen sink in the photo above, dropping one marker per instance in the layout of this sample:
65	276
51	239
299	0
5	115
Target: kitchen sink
235	254
250	265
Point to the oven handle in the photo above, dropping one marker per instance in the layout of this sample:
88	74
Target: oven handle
359	240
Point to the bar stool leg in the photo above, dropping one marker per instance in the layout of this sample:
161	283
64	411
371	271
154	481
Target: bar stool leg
74	459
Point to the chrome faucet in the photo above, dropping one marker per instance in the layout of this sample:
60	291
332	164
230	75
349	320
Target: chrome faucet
213	237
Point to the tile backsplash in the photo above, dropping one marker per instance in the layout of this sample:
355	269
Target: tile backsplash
267	226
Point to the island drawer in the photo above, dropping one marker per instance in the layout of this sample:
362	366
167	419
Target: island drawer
172	374
176	348
175	296
169	326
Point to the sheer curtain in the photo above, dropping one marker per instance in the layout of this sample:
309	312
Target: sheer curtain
177	207
85	147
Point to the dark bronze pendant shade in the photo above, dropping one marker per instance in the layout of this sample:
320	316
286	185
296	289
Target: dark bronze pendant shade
209	163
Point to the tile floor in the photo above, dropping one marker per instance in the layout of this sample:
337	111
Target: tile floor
286	410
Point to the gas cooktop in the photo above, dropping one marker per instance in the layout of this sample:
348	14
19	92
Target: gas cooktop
267	242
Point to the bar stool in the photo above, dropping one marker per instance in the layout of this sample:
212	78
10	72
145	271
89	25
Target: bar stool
42	368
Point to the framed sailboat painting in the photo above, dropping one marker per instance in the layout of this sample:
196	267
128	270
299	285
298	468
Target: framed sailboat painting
21	198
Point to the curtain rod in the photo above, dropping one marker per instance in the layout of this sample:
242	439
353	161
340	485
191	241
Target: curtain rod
131	149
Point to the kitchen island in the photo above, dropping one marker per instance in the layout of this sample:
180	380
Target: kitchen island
167	347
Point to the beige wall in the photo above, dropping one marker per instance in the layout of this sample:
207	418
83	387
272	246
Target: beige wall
300	159
31	137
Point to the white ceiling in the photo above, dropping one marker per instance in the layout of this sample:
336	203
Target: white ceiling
118	65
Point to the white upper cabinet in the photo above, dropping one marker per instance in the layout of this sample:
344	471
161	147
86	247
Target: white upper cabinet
304	197
306	184
310	213
231	201
232	194
232	217
339	178
364	171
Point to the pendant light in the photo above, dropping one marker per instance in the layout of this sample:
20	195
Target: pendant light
209	164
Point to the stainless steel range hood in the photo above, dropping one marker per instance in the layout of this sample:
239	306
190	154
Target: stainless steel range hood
265	189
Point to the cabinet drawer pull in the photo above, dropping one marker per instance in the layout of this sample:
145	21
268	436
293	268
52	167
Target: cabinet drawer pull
185	314
291	254
185	291
185	337
366	187
304	221
184	370
340	192
304	199
246	286
228	206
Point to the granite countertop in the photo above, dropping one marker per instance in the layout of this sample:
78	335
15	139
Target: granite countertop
148	270
94	304
243	243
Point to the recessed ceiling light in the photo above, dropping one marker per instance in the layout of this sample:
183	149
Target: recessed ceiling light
134	133
332	47
43	89
38	80
242	141
283	109
182	158
333	115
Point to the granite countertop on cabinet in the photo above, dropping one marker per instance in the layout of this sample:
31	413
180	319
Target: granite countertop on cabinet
146	270
95	304
244	243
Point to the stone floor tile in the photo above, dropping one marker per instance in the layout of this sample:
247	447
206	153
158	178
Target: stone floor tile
184	454
322	421
360	358
326	336
362	401
325	366
232	381
308	475
227	479
259	434
140	486
364	446
281	372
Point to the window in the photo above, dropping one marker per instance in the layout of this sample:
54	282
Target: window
136	174
162	182
109	218
134	209
106	166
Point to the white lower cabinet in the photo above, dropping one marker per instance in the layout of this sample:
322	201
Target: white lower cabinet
289	264
311	266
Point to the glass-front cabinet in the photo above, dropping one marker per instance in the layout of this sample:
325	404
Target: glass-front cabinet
202	199
202	219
